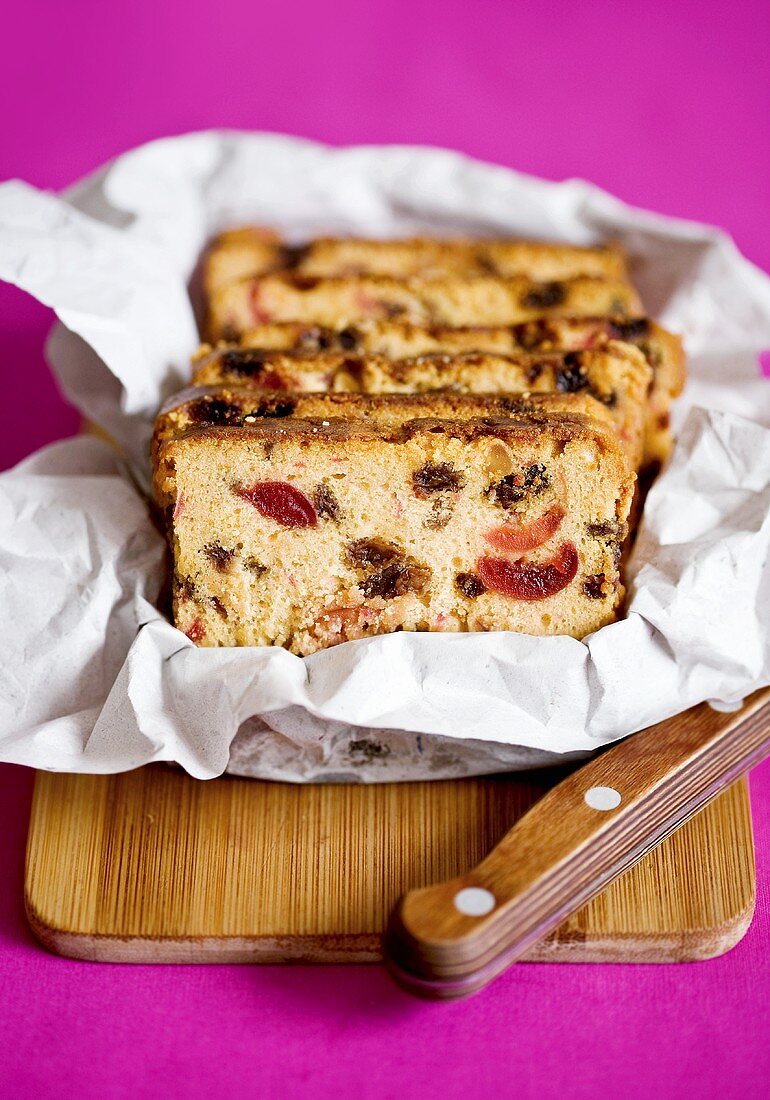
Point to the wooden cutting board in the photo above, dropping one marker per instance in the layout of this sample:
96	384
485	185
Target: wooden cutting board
153	866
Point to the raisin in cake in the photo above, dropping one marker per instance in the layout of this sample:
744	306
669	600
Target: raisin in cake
252	251
304	534
450	300
615	373
399	340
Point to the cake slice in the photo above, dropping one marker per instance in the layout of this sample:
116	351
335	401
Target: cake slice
451	300
253	251
398	340
616	374
305	533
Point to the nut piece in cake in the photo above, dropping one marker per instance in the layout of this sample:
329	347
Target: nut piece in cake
305	534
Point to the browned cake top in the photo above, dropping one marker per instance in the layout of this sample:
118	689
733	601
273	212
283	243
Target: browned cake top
559	428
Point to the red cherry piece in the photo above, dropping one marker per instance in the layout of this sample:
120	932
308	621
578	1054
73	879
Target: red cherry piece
528	580
281	502
271	380
366	305
195	631
526	536
259	315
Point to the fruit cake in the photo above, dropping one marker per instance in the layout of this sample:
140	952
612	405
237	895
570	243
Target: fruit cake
399	340
615	373
451	300
253	251
306	533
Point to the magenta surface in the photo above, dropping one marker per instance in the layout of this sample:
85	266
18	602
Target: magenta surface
665	105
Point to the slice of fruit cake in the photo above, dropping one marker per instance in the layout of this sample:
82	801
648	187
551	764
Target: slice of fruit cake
306	533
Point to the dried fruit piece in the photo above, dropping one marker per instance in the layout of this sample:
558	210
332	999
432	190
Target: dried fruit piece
596	587
326	503
259	314
526	536
254	565
397	579
545	296
612	533
372	553
523	580
436	477
305	282
345	624
271	410
293	255
629	330
441	509
571	377
246	361
218	606
513	488
609	530
213	411
219	556
280	501
250	363
387	571
314	338
196	631
348	339
368	306
470	585
185	589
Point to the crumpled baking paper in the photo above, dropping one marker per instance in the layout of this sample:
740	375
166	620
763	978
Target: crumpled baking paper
95	679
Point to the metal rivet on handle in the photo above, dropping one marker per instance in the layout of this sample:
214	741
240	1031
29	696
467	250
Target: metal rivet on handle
603	798
474	901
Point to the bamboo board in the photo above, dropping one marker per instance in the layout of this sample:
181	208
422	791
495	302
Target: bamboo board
153	866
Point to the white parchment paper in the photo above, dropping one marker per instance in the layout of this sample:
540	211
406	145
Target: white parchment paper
94	678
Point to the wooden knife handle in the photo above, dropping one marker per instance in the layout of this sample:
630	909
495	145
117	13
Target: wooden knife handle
451	939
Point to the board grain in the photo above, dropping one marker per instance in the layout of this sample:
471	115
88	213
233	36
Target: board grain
153	866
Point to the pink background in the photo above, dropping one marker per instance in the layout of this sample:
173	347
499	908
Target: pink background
665	105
